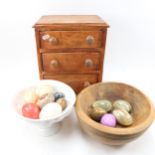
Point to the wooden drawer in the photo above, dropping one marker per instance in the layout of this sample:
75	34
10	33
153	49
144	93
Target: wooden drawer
77	82
71	48
79	62
71	39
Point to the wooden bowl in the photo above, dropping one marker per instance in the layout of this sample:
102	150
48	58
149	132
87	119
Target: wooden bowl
143	112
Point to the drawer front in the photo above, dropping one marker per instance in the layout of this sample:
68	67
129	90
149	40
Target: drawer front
77	82
81	62
71	39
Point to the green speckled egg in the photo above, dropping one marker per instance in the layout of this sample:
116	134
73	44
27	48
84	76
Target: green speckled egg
104	104
122	104
123	117
96	113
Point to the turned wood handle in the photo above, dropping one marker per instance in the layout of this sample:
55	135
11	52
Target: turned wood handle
86	83
54	63
53	40
88	63
90	39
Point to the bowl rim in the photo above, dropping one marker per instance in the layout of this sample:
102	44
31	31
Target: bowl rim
64	112
116	131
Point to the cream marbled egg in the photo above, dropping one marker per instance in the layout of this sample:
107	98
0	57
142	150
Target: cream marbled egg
45	93
44	89
45	100
104	104
62	102
30	96
123	117
122	104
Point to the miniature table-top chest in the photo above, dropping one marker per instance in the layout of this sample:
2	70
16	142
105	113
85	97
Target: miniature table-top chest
71	48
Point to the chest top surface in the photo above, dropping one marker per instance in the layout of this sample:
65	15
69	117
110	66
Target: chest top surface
70	19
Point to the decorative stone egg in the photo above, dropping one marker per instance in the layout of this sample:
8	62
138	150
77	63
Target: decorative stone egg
104	104
50	110
123	117
44	89
96	113
62	102
30	96
45	93
122	104
108	120
31	110
48	98
58	95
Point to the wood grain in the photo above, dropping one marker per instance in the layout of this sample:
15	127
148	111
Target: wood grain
70	23
76	81
39	57
71	62
72	39
70	45
69	19
72	50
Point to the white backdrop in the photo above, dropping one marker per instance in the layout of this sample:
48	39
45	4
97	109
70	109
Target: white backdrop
130	54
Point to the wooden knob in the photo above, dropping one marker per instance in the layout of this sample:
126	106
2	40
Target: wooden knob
54	63
86	83
53	40
90	39
88	63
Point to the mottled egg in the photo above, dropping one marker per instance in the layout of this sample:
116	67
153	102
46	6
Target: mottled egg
122	104
50	110
96	113
104	104
123	117
45	93
47	98
108	120
58	95
62	102
30	96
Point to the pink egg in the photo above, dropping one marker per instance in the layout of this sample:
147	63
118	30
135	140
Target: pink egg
31	110
108	120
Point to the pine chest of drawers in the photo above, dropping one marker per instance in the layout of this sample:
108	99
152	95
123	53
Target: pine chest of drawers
71	48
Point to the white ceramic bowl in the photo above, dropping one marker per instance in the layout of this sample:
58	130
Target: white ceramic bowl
49	126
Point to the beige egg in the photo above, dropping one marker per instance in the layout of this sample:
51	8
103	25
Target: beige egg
30	96
45	100
62	102
96	113
104	104
44	90
123	117
122	104
45	93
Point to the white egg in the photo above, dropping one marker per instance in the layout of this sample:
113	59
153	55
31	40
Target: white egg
50	110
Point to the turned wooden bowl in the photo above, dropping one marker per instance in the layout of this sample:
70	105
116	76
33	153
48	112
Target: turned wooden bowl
142	111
